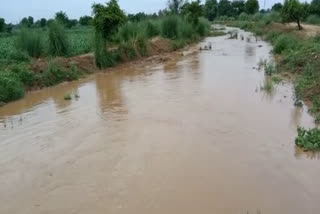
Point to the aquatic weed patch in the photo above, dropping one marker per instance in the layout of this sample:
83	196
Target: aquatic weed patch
308	139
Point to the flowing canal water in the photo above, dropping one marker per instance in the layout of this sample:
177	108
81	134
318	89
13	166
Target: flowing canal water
194	134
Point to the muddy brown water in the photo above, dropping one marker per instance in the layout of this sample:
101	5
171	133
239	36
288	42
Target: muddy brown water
195	134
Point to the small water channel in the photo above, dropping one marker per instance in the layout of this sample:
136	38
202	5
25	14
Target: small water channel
195	134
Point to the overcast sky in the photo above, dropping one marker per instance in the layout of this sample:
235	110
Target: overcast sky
14	10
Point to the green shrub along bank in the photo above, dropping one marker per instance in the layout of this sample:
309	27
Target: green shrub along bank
110	34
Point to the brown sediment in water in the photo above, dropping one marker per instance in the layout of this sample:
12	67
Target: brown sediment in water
191	133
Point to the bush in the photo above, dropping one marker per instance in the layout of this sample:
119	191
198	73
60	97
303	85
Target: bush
169	27
186	30
284	43
203	27
30	41
26	76
313	19
244	17
20	56
308	139
58	40
10	87
152	29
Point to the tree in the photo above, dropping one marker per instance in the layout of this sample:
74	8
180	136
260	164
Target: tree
192	11
211	9
85	20
292	11
175	5
43	22
277	7
62	18
252	6
9	28
238	7
315	7
225	8
107	19
2	25
27	22
30	21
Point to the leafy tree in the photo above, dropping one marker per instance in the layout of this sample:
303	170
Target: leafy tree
277	7
137	17
43	22
238	7
9	28
211	9
30	21
72	23
175	5
315	7
193	11
62	18
2	25
107	19
85	20
27	22
252	6
292	11
225	8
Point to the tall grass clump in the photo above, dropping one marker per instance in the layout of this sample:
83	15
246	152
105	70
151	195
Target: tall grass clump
284	43
133	40
58	40
203	27
170	27
103	57
30	41
11	88
152	28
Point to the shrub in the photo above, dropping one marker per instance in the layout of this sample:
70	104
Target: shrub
26	76
30	41
54	74
203	27
313	19
270	69
186	30
58	40
169	27
308	139
244	17
152	29
10	87
284	43
20	56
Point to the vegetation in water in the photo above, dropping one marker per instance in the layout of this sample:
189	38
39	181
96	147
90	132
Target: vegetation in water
67	97
308	139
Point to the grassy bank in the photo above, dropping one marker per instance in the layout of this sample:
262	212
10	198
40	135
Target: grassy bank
297	56
34	58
